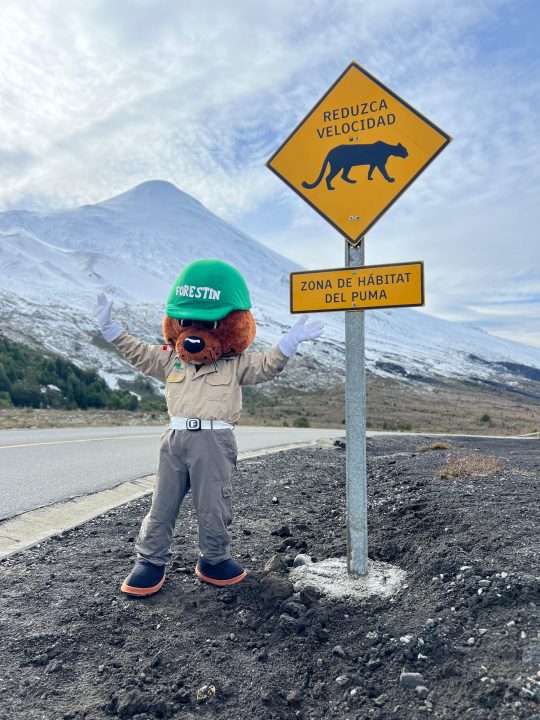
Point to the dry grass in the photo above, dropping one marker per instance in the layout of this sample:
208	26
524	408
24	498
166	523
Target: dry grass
448	407
473	465
523	473
436	445
32	418
391	405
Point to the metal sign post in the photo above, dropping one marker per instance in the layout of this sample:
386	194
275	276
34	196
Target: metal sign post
355	414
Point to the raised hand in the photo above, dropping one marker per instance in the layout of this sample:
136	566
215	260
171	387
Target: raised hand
109	329
302	331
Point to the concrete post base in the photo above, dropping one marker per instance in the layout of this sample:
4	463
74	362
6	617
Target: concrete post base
330	577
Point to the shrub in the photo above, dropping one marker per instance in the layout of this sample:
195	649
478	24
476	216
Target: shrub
473	465
25	394
436	445
5	400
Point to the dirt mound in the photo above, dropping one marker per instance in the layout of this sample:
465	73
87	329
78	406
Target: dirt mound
461	639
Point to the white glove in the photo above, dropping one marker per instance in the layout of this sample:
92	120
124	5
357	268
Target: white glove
109	329
303	330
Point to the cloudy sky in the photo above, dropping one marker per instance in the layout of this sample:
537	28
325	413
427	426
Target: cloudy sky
97	96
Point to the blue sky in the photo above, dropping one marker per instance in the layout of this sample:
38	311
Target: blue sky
99	96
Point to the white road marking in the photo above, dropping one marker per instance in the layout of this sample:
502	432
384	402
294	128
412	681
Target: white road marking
86	440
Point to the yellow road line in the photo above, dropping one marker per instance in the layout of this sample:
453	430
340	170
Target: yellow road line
65	442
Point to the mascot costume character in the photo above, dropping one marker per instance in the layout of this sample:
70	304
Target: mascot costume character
207	327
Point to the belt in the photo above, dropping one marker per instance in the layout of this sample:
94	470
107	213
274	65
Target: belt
181	423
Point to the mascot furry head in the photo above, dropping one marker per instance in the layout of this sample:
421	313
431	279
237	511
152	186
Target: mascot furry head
208	313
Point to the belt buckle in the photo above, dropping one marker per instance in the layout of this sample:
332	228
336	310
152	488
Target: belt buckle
193	423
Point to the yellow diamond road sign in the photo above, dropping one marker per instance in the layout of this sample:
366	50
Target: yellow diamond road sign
356	152
358	288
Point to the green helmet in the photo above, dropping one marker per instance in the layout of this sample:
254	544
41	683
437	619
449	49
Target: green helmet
207	290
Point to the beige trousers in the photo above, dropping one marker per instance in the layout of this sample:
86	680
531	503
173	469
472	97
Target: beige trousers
203	461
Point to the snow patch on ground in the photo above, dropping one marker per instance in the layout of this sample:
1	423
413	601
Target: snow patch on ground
110	379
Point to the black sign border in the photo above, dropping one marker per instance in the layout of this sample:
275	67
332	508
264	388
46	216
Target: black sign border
358	267
356	241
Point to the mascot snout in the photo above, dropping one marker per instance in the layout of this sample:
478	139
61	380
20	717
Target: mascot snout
197	345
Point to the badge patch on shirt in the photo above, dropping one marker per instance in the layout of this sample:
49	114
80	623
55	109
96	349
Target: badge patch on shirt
175	377
177	373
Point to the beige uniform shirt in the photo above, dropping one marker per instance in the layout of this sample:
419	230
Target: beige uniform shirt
209	392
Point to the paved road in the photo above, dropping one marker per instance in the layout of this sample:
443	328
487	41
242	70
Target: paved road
40	467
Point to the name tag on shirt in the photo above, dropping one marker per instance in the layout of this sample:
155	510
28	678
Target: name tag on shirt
176	378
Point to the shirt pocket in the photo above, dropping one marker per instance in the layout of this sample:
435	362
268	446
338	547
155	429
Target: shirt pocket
220	378
174	389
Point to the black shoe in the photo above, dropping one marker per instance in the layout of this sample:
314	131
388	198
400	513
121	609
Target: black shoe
227	572
145	579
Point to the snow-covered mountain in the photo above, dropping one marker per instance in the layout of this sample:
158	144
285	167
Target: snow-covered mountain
133	246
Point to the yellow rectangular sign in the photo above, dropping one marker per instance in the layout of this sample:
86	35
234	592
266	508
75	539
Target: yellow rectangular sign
358	288
356	151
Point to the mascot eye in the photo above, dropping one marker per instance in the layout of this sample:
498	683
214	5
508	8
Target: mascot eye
207	324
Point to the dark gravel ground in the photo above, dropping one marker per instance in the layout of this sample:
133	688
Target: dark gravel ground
467	619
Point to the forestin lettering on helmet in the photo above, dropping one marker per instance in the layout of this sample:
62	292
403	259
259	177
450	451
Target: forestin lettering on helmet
194	291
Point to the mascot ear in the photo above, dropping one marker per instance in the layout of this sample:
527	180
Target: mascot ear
236	332
171	330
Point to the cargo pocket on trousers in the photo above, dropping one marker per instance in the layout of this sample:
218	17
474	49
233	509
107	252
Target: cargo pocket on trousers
226	491
226	486
227	442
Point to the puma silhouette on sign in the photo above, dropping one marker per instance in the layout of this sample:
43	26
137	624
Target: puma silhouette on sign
345	157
